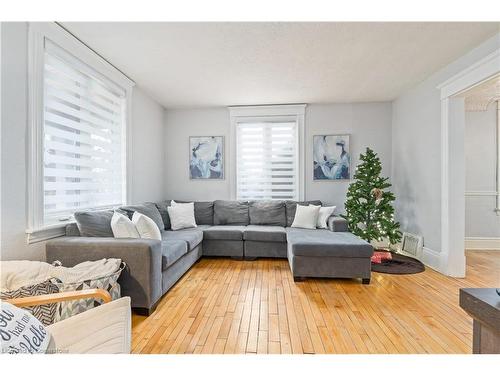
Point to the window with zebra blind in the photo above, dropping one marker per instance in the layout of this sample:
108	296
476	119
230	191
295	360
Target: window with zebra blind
78	136
83	162
267	163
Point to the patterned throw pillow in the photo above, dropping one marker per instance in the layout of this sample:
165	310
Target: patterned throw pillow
70	308
44	313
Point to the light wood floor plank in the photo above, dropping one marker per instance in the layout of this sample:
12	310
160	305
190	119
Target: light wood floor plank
254	307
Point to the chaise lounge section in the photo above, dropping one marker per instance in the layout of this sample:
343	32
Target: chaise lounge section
237	229
324	253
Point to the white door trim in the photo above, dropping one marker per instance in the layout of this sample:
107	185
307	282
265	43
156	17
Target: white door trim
452	253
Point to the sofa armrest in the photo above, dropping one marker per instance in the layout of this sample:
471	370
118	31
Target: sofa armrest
337	224
141	279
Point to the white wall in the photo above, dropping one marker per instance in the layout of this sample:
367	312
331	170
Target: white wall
14	123
179	125
416	153
480	175
147	146
369	125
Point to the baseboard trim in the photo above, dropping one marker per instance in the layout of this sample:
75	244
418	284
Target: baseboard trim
482	243
432	259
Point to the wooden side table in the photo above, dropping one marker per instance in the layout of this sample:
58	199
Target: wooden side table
483	305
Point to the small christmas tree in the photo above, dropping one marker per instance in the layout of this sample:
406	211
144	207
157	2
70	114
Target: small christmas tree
368	205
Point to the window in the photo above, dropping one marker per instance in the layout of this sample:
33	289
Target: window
267	152
267	161
78	130
83	131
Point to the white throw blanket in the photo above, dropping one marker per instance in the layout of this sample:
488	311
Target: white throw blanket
15	274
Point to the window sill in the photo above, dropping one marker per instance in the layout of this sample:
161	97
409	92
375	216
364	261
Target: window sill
46	233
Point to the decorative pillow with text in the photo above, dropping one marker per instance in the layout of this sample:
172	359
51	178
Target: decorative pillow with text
21	332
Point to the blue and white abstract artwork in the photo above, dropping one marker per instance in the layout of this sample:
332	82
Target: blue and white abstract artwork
331	157
206	159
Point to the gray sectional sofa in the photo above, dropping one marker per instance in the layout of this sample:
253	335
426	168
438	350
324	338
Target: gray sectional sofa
237	229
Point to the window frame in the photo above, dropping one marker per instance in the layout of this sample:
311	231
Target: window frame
262	113
37	33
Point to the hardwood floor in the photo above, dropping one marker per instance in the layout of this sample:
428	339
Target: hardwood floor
230	306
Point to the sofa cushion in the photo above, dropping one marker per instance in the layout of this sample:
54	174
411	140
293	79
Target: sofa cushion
231	213
224	232
324	243
193	236
203	212
291	206
171	251
264	233
267	213
149	209
94	223
162	209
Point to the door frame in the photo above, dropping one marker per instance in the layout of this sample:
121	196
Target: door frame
452	255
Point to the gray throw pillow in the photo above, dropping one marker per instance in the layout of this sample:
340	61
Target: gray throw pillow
149	209
231	213
94	223
267	213
72	230
203	212
162	209
291	207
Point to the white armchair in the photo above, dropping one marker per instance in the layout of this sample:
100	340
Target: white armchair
105	329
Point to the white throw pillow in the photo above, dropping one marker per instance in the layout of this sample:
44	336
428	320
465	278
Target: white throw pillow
181	215
174	203
306	217
21	331
324	214
123	227
146	226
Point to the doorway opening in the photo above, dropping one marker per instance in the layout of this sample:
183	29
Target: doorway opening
482	166
453	184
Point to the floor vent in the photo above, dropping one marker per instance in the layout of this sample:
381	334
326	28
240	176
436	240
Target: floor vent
411	245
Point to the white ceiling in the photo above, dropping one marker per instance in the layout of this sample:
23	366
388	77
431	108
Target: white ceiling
219	64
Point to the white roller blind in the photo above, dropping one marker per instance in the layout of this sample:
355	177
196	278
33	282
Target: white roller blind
267	160
84	128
